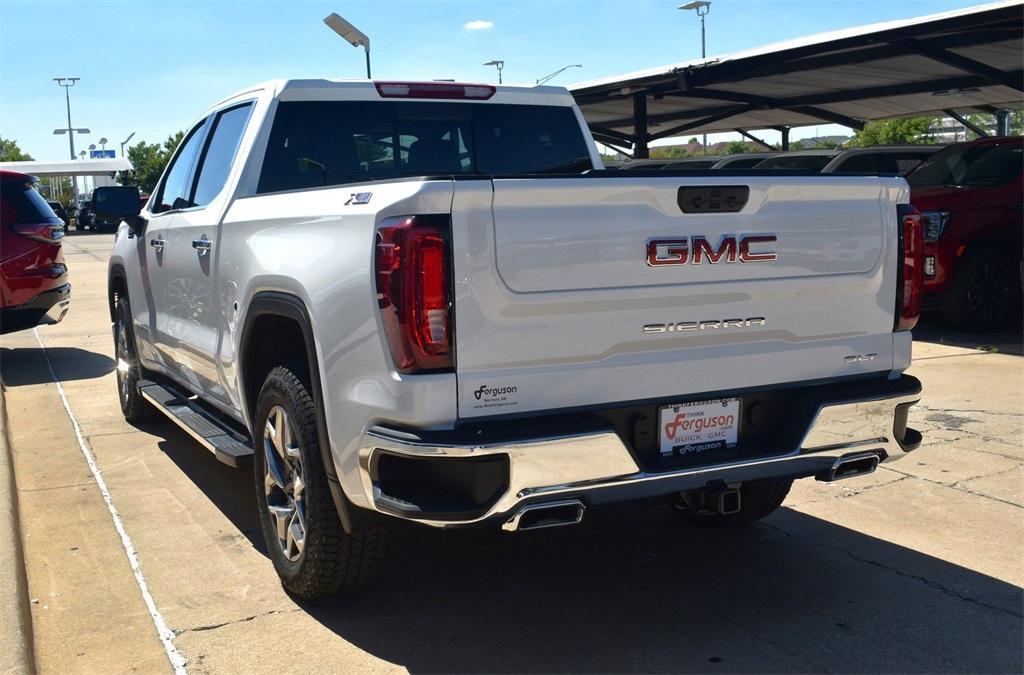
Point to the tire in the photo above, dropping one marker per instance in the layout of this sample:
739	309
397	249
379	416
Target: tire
985	293
757	500
313	555
134	407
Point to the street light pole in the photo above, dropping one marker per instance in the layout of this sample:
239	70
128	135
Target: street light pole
352	35
558	72
702	7
499	64
67	83
125	142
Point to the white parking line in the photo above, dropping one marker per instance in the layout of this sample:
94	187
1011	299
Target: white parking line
166	634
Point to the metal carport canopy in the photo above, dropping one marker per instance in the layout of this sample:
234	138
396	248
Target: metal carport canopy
965	60
68	167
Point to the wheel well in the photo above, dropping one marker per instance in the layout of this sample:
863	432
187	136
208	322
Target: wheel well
272	340
116	288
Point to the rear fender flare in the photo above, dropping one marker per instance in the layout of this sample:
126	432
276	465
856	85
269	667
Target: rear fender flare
289	306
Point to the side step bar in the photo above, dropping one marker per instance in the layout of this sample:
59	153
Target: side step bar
226	444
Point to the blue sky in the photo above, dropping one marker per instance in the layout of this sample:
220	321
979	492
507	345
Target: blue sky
151	67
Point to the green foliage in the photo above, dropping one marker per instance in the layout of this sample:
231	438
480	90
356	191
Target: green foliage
10	152
149	160
693	141
796	145
736	148
671	152
906	130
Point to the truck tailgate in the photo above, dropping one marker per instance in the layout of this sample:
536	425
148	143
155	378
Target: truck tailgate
557	306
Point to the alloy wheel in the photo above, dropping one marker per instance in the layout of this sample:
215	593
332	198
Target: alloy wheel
284	483
987	292
123	363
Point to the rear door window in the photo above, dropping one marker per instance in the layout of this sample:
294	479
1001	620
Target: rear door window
321	143
225	137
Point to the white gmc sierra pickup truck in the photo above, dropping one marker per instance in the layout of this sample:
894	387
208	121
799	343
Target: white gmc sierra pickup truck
429	302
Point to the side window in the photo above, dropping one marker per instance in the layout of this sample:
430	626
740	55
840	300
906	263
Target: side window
225	138
177	185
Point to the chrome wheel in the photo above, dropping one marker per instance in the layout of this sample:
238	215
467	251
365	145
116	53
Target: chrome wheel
284	484
123	364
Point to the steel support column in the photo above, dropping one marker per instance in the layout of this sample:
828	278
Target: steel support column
1002	123
640	136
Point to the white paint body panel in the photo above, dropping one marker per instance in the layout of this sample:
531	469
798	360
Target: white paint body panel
550	280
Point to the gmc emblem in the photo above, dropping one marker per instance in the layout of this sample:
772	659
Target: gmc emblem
697	249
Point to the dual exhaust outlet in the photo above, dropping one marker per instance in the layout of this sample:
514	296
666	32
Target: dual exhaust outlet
727	501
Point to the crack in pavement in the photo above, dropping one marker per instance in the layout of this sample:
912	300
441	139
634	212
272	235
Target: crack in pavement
178	632
925	408
934	585
57	487
963	489
853	492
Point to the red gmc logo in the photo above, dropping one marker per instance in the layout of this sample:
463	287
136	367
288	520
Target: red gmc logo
697	250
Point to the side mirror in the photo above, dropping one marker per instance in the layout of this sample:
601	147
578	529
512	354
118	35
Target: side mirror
119	201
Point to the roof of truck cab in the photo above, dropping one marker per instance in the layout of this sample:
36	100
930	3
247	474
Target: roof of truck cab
329	89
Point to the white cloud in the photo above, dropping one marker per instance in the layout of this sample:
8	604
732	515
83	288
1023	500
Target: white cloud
478	25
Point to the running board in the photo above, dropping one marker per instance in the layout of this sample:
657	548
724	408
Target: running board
226	445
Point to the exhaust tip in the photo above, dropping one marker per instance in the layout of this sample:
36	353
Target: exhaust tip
852	465
550	514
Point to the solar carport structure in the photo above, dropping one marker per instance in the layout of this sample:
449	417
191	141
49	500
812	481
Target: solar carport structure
956	62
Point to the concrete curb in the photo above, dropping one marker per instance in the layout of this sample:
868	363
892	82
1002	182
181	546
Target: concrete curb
16	655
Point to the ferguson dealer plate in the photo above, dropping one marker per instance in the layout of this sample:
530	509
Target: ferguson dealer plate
699	426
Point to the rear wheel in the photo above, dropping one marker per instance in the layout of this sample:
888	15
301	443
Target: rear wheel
311	551
757	500
984	294
133	406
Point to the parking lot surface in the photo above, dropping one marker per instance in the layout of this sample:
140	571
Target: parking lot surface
915	568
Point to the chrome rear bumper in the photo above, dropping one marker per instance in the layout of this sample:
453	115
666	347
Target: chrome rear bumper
596	467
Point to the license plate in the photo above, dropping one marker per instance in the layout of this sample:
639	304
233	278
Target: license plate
690	428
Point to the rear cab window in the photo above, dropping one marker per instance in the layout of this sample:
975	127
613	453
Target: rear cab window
324	143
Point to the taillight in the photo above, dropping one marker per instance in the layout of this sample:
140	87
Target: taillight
44	232
911	268
414	291
449	90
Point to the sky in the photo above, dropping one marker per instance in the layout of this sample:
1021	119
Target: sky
152	67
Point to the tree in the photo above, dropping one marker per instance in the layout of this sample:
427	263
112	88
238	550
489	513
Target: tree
736	148
893	132
149	160
693	141
10	152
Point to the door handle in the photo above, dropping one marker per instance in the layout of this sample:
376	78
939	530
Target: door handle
158	244
202	245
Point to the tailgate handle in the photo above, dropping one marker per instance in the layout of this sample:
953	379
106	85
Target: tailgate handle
713	198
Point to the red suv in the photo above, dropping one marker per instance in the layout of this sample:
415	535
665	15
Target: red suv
970	200
34	286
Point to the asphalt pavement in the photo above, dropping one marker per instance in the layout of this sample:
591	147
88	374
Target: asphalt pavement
142	551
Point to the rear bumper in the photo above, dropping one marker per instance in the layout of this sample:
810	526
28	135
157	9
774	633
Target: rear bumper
46	308
595	466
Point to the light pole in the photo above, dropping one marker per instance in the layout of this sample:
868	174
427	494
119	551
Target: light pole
497	64
702	7
558	72
67	83
353	35
125	142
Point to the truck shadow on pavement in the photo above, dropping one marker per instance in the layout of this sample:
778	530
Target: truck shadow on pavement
636	589
1007	341
27	365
